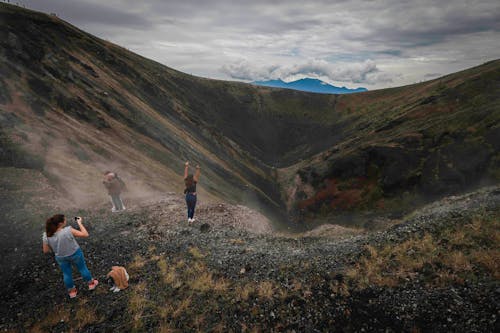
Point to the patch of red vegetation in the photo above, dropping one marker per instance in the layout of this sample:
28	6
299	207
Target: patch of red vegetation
339	195
329	192
347	199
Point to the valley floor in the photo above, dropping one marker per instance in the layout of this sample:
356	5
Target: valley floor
435	271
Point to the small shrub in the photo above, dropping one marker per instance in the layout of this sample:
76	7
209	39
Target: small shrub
244	292
196	253
265	290
137	264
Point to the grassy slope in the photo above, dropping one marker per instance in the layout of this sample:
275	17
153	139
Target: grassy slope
413	143
82	105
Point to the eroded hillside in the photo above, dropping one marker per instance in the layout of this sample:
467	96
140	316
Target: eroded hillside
73	105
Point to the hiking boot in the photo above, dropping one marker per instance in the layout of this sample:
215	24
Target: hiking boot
72	293
93	284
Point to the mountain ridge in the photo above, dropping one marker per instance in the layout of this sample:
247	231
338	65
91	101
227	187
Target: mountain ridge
309	85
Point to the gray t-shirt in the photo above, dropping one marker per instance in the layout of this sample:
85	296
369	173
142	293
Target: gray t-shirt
63	243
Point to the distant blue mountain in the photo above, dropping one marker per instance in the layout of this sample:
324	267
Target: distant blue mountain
310	85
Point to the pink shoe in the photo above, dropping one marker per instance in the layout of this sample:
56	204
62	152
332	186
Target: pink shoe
72	293
93	284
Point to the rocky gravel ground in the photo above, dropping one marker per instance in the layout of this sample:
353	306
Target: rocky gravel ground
255	279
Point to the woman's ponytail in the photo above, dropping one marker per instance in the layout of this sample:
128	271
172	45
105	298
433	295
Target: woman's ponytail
52	224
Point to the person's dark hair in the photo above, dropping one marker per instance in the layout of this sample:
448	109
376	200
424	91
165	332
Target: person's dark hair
189	181
53	223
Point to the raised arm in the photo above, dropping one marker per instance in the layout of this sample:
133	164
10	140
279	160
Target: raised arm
82	232
197	173
186	168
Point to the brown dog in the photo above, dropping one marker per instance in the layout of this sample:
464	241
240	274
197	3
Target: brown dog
118	277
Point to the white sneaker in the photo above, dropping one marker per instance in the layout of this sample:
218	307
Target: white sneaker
114	289
113	210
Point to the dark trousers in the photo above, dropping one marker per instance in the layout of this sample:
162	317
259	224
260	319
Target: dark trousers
191	204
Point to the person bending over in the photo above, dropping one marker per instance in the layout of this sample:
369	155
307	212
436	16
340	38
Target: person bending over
190	181
60	239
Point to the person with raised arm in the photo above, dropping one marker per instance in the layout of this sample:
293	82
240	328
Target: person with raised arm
190	181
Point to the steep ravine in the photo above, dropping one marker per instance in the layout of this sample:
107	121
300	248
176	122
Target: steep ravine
79	105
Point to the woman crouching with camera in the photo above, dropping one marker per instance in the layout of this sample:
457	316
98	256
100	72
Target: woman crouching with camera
60	239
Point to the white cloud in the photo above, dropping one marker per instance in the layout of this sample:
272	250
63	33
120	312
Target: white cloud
361	72
377	43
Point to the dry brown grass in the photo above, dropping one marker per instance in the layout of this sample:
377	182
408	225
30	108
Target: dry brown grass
195	275
83	316
237	241
220	328
243	292
489	260
86	315
451	256
221	285
202	282
196	253
296	285
265	290
165	328
168	273
164	311
457	261
182	306
339	288
137	304
137	264
58	314
246	329
198	322
199	278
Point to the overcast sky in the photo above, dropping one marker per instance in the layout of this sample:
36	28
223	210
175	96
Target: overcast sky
373	44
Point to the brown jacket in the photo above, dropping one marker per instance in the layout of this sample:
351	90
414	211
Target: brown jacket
113	186
119	275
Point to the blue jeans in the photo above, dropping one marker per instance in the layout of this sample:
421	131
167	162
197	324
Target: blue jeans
191	204
77	260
